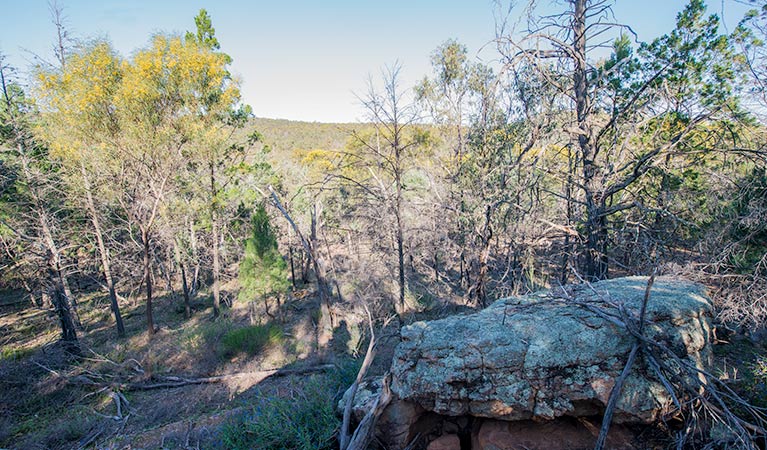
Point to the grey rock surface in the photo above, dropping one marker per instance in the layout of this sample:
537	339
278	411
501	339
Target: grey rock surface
543	356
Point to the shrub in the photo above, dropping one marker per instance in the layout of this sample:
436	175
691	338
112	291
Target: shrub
250	340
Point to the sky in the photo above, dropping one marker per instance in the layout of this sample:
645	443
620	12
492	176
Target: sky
301	59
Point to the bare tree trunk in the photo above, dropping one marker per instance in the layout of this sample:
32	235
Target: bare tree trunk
196	275
480	288
216	250
564	272
292	265
187	302
62	305
595	226
148	280
55	256
398	214
184	285
323	287
104	253
326	317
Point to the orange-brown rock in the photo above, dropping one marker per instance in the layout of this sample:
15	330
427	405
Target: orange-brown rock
446	442
560	434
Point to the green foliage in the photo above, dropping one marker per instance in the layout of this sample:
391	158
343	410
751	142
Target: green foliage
250	340
14	353
304	421
263	272
748	231
697	62
206	34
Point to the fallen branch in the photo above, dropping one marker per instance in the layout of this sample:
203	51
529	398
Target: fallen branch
174	382
618	387
363	435
345	437
679	376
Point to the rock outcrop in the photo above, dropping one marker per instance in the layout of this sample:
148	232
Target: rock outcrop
535	371
547	355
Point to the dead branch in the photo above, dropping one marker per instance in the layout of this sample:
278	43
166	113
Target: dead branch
173	382
345	437
614	396
680	377
363	435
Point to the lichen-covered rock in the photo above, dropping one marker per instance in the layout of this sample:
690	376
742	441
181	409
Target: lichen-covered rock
543	356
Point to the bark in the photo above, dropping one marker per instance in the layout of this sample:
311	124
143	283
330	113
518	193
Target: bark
104	253
398	213
480	286
292	266
345	436
193	244
365	432
148	281
595	266
62	305
326	317
184	284
323	286
216	250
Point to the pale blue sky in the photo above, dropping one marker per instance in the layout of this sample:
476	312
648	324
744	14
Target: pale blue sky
301	59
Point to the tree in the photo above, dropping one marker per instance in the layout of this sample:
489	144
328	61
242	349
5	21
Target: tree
219	117
624	113
380	159
34	199
263	271
169	94
78	122
206	34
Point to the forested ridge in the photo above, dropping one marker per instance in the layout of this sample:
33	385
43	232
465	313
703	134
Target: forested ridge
156	235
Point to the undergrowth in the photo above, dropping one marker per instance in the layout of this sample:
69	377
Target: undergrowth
250	340
305	420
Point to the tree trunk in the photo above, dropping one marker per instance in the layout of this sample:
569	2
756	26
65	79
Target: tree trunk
196	274
148	281
216	239
55	261
184	285
104	253
216	271
62	305
567	246
401	263
595	227
292	266
484	253
398	217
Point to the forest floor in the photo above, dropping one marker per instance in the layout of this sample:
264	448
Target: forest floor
50	399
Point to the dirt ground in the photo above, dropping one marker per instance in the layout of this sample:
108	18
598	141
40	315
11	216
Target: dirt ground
50	399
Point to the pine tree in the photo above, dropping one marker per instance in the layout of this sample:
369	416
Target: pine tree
263	271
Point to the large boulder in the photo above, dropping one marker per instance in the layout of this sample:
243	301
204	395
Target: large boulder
544	355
